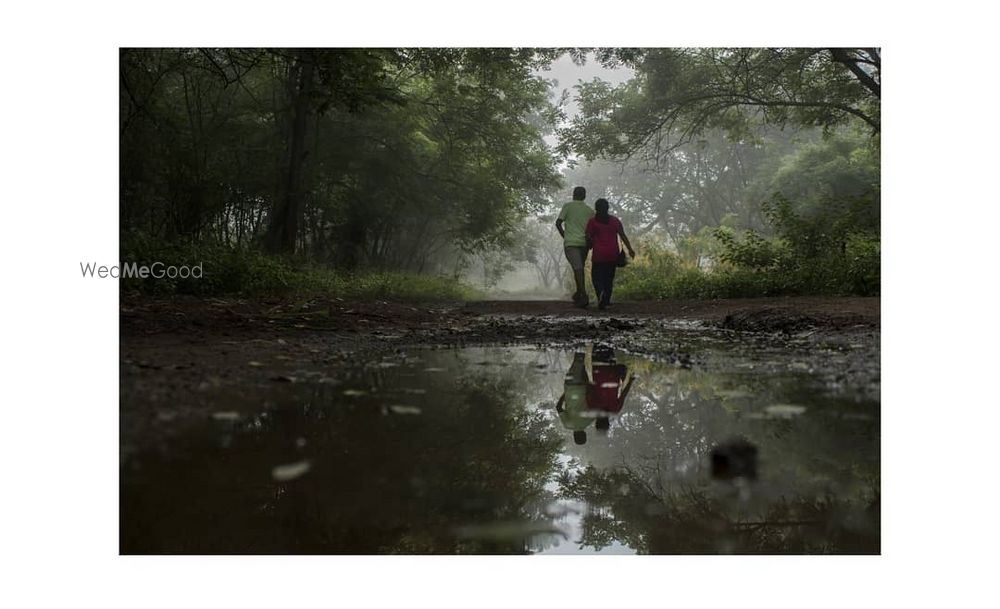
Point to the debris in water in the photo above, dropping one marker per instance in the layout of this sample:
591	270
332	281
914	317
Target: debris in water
733	394
402	409
354	392
784	411
227	415
283	473
255	364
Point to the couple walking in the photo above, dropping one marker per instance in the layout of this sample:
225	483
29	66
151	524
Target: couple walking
583	230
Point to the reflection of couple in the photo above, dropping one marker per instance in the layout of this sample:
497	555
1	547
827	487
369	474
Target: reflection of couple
595	389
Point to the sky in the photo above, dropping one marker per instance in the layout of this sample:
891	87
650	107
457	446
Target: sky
569	74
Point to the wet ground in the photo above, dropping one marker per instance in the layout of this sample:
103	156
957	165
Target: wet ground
501	433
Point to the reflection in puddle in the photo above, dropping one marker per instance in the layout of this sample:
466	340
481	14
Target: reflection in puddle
516	450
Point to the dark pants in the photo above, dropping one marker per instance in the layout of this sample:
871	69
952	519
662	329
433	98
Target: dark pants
603	276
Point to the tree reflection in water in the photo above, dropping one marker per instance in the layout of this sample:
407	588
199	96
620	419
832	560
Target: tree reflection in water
649	486
471	451
465	475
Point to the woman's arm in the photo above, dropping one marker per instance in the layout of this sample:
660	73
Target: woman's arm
628	387
621	233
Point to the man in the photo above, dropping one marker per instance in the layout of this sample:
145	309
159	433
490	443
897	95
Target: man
572	224
572	405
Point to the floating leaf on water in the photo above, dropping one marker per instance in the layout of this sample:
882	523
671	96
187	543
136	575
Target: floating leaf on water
226	415
403	409
784	410
354	392
732	393
291	471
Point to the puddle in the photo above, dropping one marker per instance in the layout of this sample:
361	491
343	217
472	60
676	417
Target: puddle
516	450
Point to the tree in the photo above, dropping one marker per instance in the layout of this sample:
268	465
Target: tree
382	158
680	93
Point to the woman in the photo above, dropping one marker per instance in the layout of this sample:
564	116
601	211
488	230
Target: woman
603	231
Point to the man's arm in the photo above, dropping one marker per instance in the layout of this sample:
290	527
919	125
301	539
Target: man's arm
559	227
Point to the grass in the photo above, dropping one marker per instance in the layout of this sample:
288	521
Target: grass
230	271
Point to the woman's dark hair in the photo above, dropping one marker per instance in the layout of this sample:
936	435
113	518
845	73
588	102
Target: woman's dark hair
579	193
601	209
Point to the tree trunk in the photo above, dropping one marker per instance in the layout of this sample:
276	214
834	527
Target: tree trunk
283	229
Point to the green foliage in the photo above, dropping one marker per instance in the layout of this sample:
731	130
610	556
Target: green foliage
409	157
750	252
229	270
827	254
817	229
680	93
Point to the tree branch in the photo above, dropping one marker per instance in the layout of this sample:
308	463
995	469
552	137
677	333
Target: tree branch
845	58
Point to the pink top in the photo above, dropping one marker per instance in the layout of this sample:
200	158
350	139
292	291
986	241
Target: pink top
604	239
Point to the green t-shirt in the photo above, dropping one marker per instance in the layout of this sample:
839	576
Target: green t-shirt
574	406
574	216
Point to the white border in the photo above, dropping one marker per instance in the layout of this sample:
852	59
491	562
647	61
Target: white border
60	436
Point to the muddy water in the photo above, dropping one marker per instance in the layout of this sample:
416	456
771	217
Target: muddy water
516	450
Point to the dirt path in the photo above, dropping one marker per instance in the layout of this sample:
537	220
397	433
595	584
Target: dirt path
824	310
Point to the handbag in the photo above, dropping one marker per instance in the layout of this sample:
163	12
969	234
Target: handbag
622	259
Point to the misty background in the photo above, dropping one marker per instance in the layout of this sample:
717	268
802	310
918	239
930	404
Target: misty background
735	171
